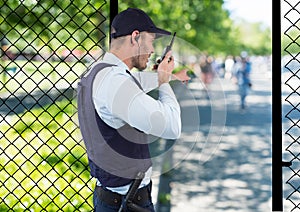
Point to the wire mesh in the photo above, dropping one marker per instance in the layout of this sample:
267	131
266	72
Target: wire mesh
45	47
291	68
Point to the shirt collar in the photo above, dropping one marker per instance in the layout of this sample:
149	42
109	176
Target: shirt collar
113	59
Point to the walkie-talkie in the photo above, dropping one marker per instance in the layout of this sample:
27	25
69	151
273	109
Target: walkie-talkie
166	50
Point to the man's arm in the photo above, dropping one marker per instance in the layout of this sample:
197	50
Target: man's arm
156	117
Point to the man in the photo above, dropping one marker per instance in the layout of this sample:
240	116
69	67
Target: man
116	114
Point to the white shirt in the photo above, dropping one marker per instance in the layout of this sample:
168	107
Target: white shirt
118	100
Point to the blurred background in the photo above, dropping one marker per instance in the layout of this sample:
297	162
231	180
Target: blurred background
222	161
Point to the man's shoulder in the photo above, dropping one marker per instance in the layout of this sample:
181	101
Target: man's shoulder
110	74
101	65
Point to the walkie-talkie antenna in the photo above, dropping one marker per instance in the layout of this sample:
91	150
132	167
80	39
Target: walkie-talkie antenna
169	47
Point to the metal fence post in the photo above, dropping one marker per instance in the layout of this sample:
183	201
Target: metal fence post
276	110
113	12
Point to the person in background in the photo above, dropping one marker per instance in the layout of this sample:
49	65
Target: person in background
207	73
229	62
241	75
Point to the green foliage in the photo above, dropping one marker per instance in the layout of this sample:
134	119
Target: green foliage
290	41
254	37
46	159
198	22
164	198
204	24
49	23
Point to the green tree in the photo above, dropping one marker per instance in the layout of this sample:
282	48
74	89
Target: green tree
35	24
50	25
206	25
202	23
253	37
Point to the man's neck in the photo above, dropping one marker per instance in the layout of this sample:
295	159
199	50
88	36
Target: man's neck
122	56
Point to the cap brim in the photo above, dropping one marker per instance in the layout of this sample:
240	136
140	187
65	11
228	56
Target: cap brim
159	32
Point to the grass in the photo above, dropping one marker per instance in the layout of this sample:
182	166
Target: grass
43	165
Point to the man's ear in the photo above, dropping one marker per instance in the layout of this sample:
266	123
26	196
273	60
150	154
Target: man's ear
135	35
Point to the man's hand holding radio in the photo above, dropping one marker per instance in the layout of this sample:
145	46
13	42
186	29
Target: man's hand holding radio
165	69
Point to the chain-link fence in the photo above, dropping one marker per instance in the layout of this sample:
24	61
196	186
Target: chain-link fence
45	47
291	104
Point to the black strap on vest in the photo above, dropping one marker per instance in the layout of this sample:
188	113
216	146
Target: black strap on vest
135	80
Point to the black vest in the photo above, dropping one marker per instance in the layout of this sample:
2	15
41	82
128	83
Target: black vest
115	155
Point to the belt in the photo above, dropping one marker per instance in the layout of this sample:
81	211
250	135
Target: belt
142	196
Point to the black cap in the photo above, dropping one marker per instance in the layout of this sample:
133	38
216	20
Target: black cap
134	19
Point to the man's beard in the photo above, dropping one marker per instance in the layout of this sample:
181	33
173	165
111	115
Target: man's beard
138	62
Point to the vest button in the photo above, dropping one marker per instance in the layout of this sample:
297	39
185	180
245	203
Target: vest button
139	198
115	201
